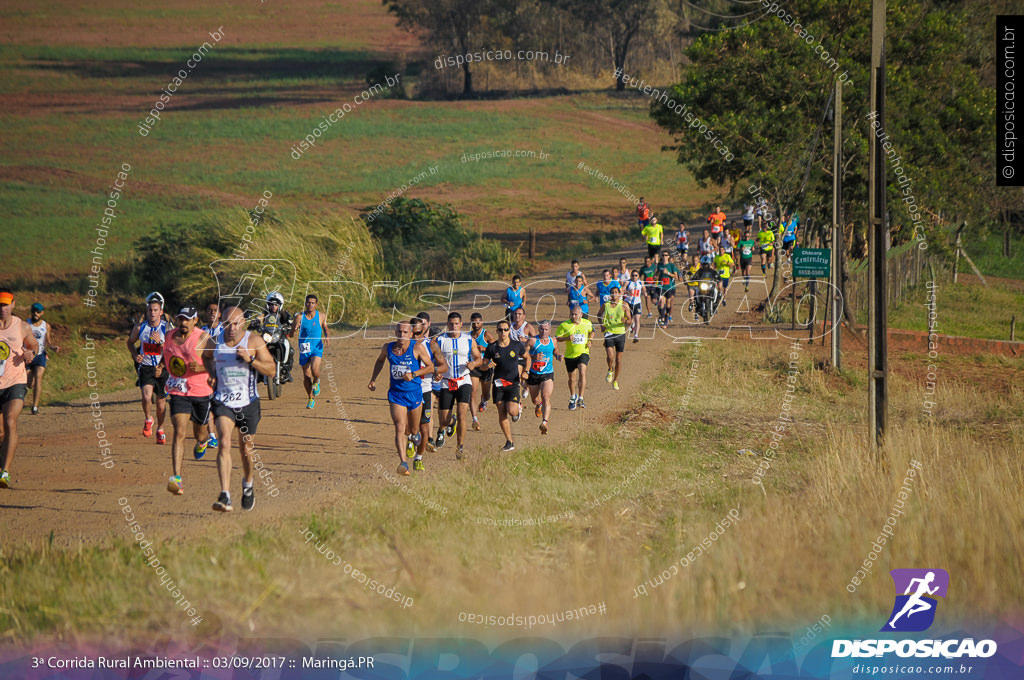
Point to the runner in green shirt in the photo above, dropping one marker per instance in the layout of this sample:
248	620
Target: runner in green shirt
576	333
649	276
668	274
616	319
746	246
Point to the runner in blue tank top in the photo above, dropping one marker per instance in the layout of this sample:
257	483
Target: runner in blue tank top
542	351
515	296
313	337
407	362
579	296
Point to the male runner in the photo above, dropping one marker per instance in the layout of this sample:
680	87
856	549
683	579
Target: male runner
17	348
579	296
519	329
408	361
615	318
717	221
481	376
623	272
421	334
724	264
789	235
148	358
543	351
649	275
462	355
213	327
233	365
313	339
573	274
506	358
682	243
705	246
691	274
653	233
188	388
515	297
766	240
746	248
41	332
643	213
604	289
577	332
668	275
748	216
633	294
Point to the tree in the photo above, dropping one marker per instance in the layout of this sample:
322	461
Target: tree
762	92
459	27
618	22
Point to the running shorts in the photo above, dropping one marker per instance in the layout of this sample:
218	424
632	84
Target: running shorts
572	364
505	394
538	378
12	393
198	408
148	376
425	413
463	395
39	360
410	400
245	418
616	341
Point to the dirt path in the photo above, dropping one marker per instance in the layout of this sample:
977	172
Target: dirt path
313	456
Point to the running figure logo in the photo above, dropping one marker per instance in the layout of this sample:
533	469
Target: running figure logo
914	609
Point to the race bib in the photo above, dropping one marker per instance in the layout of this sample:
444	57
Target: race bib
502	383
578	338
153	349
539	366
305	347
179	385
398	370
747	250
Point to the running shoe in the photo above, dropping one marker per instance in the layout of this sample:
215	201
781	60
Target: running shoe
723	302
670	319
417	464
316	389
648	315
580	403
608	378
199	450
615	385
212	441
248	498
311	403
439	442
636	339
695	316
509	446
539	411
483	406
416	438
450	430
518	415
147	429
161	437
460	453
176	486
690	307
572	402
403	469
410	448
5	479
223	503
544	427
35	410
430	447
476	424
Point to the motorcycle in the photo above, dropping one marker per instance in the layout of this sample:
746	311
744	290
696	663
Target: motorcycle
275	334
707	298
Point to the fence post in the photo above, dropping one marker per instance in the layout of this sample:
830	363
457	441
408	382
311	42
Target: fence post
1013	327
532	251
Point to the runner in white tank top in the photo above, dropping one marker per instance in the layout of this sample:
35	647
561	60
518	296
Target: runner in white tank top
462	354
519	329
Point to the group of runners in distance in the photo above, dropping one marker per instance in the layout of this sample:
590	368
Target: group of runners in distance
439	382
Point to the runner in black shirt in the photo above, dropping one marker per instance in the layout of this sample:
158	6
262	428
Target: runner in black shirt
508	359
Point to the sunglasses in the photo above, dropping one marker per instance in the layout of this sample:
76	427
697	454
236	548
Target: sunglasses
503	330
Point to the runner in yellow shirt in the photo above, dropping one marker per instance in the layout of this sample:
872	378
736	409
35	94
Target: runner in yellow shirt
724	264
652	235
615	320
577	334
766	240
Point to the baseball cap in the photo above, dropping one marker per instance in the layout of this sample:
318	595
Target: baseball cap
188	312
36	307
6	298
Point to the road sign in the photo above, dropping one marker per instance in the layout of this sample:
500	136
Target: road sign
812	262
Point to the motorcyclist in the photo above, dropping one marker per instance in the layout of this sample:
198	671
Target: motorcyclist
273	318
706	273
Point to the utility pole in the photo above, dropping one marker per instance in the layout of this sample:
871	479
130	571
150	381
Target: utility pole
877	239
837	226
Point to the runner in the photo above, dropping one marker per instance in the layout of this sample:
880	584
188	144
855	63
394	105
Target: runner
668	276
649	275
17	348
746	248
579	296
189	389
705	246
623	273
634	292
573	274
421	332
729	244
149	358
724	264
519	329
691	275
41	332
577	332
515	297
733	231
643	213
542	351
604	291
213	327
682	243
789	235
506	360
766	240
233	365
408	362
717	222
652	235
462	355
748	216
615	319
313	339
481	377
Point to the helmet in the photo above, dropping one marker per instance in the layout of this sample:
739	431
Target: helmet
707	259
155	297
275	297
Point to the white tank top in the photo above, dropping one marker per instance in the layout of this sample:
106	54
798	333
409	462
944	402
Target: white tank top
236	381
458	352
518	334
426	383
40	334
